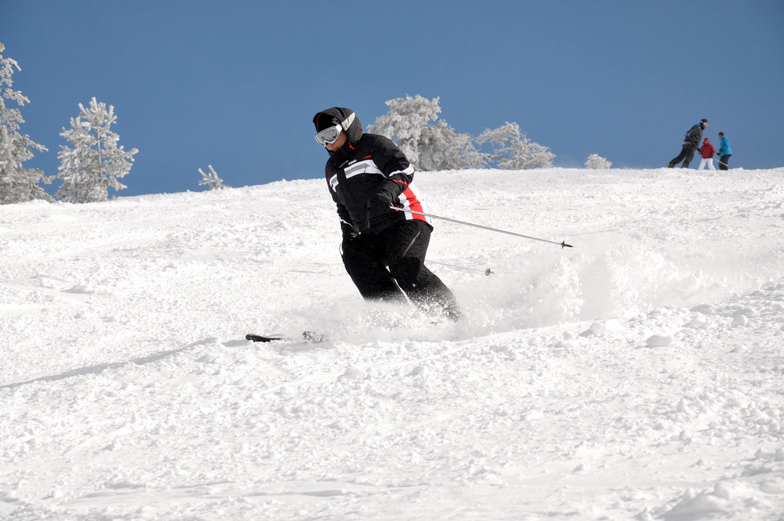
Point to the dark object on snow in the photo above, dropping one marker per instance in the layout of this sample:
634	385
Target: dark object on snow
259	338
307	336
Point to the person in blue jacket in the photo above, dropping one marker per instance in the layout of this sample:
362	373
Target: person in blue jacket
724	152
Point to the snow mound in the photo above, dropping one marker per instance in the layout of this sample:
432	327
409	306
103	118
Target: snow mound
638	375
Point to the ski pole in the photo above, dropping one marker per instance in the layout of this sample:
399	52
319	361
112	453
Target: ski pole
561	244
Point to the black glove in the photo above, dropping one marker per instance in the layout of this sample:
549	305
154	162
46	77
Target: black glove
348	232
376	206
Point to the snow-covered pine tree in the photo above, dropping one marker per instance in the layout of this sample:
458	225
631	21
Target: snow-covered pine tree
405	122
212	180
428	146
17	184
513	150
95	162
597	162
441	148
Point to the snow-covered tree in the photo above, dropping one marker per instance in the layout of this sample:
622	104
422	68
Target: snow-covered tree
596	162
441	148
431	144
212	180
513	150
405	122
428	146
95	163
17	184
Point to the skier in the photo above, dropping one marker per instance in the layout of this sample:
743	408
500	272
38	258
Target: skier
707	152
690	144
383	249
724	152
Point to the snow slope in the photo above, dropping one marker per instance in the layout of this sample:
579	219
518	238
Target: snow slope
639	375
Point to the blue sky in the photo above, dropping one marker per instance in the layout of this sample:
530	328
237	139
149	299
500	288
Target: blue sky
235	84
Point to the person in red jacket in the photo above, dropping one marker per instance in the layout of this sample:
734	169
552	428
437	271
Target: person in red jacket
707	152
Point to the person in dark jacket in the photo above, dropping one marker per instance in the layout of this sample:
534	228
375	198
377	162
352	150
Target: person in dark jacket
384	241
724	152
690	143
707	151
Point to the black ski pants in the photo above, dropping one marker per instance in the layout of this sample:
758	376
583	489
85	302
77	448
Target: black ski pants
724	162
686	155
382	265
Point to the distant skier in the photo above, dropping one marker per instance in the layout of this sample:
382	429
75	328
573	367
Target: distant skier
383	249
724	152
707	152
690	143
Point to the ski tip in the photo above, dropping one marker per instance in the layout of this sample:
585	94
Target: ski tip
307	336
259	338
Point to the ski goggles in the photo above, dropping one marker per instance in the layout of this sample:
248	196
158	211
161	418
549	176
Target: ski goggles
331	134
328	135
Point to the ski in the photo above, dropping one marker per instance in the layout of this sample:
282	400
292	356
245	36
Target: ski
260	338
307	336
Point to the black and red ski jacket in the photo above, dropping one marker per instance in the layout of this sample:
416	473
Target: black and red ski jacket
369	164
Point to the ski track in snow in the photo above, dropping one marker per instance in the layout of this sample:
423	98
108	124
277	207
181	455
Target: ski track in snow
639	375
